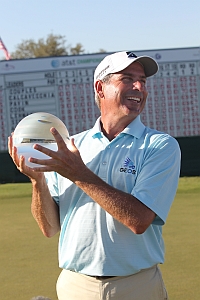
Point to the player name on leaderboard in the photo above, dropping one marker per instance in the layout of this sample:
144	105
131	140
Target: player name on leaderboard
63	86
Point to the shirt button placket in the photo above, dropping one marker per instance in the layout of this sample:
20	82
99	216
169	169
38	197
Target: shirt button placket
103	164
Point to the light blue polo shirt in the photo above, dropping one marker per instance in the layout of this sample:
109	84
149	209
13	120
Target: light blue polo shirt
139	161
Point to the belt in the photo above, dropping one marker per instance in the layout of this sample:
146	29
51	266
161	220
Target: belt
97	277
101	277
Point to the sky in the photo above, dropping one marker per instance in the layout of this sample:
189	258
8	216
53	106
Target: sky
112	25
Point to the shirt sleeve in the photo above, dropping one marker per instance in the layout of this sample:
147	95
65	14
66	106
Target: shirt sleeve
157	180
52	182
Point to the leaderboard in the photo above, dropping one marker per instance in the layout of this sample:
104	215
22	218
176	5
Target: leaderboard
63	86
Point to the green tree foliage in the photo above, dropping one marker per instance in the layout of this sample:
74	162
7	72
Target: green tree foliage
78	49
102	50
54	45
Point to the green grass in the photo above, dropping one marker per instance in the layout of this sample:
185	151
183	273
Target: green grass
28	260
182	240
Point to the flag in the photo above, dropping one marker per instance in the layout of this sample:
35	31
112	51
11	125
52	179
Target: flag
3	47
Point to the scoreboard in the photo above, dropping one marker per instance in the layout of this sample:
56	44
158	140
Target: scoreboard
63	86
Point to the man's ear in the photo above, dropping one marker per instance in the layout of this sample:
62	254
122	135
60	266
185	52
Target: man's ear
99	88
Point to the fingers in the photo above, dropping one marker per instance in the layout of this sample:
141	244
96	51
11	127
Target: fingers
59	140
72	147
11	149
15	156
42	169
20	162
72	142
59	161
52	155
60	143
13	153
10	145
43	162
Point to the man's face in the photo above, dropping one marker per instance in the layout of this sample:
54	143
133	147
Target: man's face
125	94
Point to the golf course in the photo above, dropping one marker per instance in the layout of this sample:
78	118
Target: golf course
29	261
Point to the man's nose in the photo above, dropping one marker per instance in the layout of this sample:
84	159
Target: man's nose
138	85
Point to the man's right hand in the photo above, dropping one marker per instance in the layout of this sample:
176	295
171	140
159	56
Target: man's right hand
20	163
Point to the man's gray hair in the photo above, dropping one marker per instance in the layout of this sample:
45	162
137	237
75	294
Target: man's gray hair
106	79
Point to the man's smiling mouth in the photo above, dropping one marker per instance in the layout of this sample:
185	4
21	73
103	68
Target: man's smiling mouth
136	99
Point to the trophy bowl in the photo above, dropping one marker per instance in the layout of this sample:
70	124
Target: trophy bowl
35	129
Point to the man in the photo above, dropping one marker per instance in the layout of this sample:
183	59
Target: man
109	192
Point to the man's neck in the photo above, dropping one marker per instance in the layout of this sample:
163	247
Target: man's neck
111	128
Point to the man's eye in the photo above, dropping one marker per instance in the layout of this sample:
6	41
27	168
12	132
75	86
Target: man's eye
127	79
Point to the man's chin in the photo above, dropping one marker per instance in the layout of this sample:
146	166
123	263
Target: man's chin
133	110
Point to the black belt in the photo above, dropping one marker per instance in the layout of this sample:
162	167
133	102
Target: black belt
98	277
101	277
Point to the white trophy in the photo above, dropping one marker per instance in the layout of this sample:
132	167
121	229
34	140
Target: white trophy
35	129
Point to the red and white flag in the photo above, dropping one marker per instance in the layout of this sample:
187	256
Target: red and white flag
3	47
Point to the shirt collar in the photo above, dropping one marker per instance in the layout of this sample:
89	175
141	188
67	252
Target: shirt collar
135	128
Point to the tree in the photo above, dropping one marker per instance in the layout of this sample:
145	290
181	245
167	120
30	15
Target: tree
54	45
78	49
102	50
